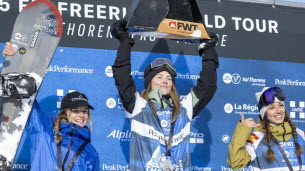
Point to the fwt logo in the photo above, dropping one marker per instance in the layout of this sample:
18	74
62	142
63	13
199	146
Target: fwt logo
172	24
234	78
182	26
297	109
60	93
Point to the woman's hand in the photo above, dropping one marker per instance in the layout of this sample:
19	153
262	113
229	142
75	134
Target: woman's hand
248	122
118	29
8	50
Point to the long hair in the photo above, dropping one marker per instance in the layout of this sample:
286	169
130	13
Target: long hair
266	126
64	114
173	95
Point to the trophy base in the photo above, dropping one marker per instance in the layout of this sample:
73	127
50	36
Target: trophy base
169	36
173	29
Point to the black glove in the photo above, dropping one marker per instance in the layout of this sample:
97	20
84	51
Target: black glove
207	43
118	29
207	51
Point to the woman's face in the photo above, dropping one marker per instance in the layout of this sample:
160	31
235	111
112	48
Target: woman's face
79	115
164	81
276	113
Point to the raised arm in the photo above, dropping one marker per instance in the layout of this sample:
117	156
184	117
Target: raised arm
238	156
206	86
122	66
39	123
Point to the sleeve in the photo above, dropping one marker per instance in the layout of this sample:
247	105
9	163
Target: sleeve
39	127
238	156
206	86
121	73
39	122
96	163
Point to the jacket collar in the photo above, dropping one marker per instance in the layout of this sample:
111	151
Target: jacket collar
156	97
71	129
282	132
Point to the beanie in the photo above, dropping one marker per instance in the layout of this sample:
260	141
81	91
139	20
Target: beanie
258	95
149	73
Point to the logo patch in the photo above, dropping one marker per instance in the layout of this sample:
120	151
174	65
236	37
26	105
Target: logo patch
36	34
22	51
172	25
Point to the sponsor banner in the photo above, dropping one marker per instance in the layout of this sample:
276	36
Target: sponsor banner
113	167
201	168
225	168
87	51
211	131
21	167
245	30
81	69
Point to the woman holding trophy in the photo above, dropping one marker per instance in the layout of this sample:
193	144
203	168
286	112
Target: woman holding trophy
160	122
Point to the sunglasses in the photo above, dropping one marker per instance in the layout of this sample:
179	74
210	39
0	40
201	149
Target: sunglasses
269	95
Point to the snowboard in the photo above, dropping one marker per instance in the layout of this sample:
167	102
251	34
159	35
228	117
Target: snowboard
36	34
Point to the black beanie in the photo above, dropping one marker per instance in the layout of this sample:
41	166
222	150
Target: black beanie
150	74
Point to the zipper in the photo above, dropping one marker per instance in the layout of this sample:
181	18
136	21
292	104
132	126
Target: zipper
284	132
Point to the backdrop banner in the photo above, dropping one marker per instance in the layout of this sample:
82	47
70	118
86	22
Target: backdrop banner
255	43
248	31
83	70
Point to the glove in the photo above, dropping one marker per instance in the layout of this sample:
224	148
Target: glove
207	43
118	29
207	51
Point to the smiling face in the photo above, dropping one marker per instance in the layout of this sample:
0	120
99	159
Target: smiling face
79	115
164	81
276	113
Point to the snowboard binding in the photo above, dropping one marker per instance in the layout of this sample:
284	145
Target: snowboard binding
17	85
4	164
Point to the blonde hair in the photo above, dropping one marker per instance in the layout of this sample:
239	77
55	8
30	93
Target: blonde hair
173	95
266	126
65	114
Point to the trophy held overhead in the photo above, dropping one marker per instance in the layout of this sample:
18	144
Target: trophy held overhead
169	19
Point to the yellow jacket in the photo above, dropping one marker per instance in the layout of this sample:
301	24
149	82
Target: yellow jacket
238	156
